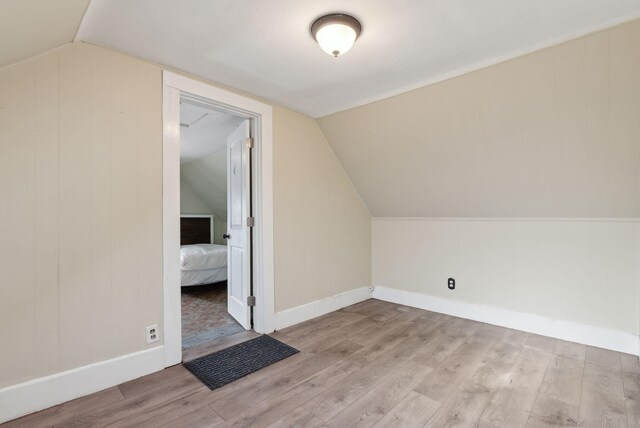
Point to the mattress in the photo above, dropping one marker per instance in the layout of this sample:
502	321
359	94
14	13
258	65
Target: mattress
204	276
202	256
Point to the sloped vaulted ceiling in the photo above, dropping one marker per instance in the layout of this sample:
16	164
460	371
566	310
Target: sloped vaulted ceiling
207	177
265	48
552	134
32	27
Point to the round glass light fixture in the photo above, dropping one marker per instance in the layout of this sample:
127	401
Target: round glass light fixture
336	32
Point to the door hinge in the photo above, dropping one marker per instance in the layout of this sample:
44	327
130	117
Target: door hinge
251	300
251	221
249	143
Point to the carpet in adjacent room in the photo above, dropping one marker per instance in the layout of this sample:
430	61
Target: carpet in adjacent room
204	314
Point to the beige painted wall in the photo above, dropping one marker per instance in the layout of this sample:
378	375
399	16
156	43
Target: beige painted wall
580	271
554	134
550	134
322	228
81	218
81	212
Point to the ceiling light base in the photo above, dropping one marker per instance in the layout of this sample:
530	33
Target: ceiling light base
336	32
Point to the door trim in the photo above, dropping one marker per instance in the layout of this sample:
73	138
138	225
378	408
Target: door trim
176	86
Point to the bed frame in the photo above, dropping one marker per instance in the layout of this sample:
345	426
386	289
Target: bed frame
196	229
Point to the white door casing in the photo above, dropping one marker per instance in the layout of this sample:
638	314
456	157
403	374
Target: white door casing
238	240
261	117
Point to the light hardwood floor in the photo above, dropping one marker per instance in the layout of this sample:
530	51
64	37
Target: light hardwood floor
381	364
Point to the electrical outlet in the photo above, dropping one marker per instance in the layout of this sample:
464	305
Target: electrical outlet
451	283
152	333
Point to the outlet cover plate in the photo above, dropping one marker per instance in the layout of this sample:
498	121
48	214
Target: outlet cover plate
153	335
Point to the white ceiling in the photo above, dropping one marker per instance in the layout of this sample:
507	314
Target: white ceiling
206	133
264	47
32	27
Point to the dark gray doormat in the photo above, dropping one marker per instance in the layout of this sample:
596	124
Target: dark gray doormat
223	367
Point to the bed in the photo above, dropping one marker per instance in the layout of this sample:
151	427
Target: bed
201	261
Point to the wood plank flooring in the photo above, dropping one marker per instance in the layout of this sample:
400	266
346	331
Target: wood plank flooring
378	364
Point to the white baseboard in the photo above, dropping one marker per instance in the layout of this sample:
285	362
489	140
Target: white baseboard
316	308
38	394
566	330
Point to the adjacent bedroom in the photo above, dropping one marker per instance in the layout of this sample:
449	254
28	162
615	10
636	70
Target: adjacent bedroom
203	224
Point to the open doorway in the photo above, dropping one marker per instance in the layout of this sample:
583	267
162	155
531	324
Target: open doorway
209	195
250	288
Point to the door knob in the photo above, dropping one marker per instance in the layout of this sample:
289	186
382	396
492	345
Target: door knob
226	236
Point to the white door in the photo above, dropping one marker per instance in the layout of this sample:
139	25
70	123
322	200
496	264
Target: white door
238	243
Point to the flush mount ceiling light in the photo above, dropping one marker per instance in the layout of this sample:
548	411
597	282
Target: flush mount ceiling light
336	32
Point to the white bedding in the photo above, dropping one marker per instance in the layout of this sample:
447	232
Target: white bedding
202	256
202	264
199	277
